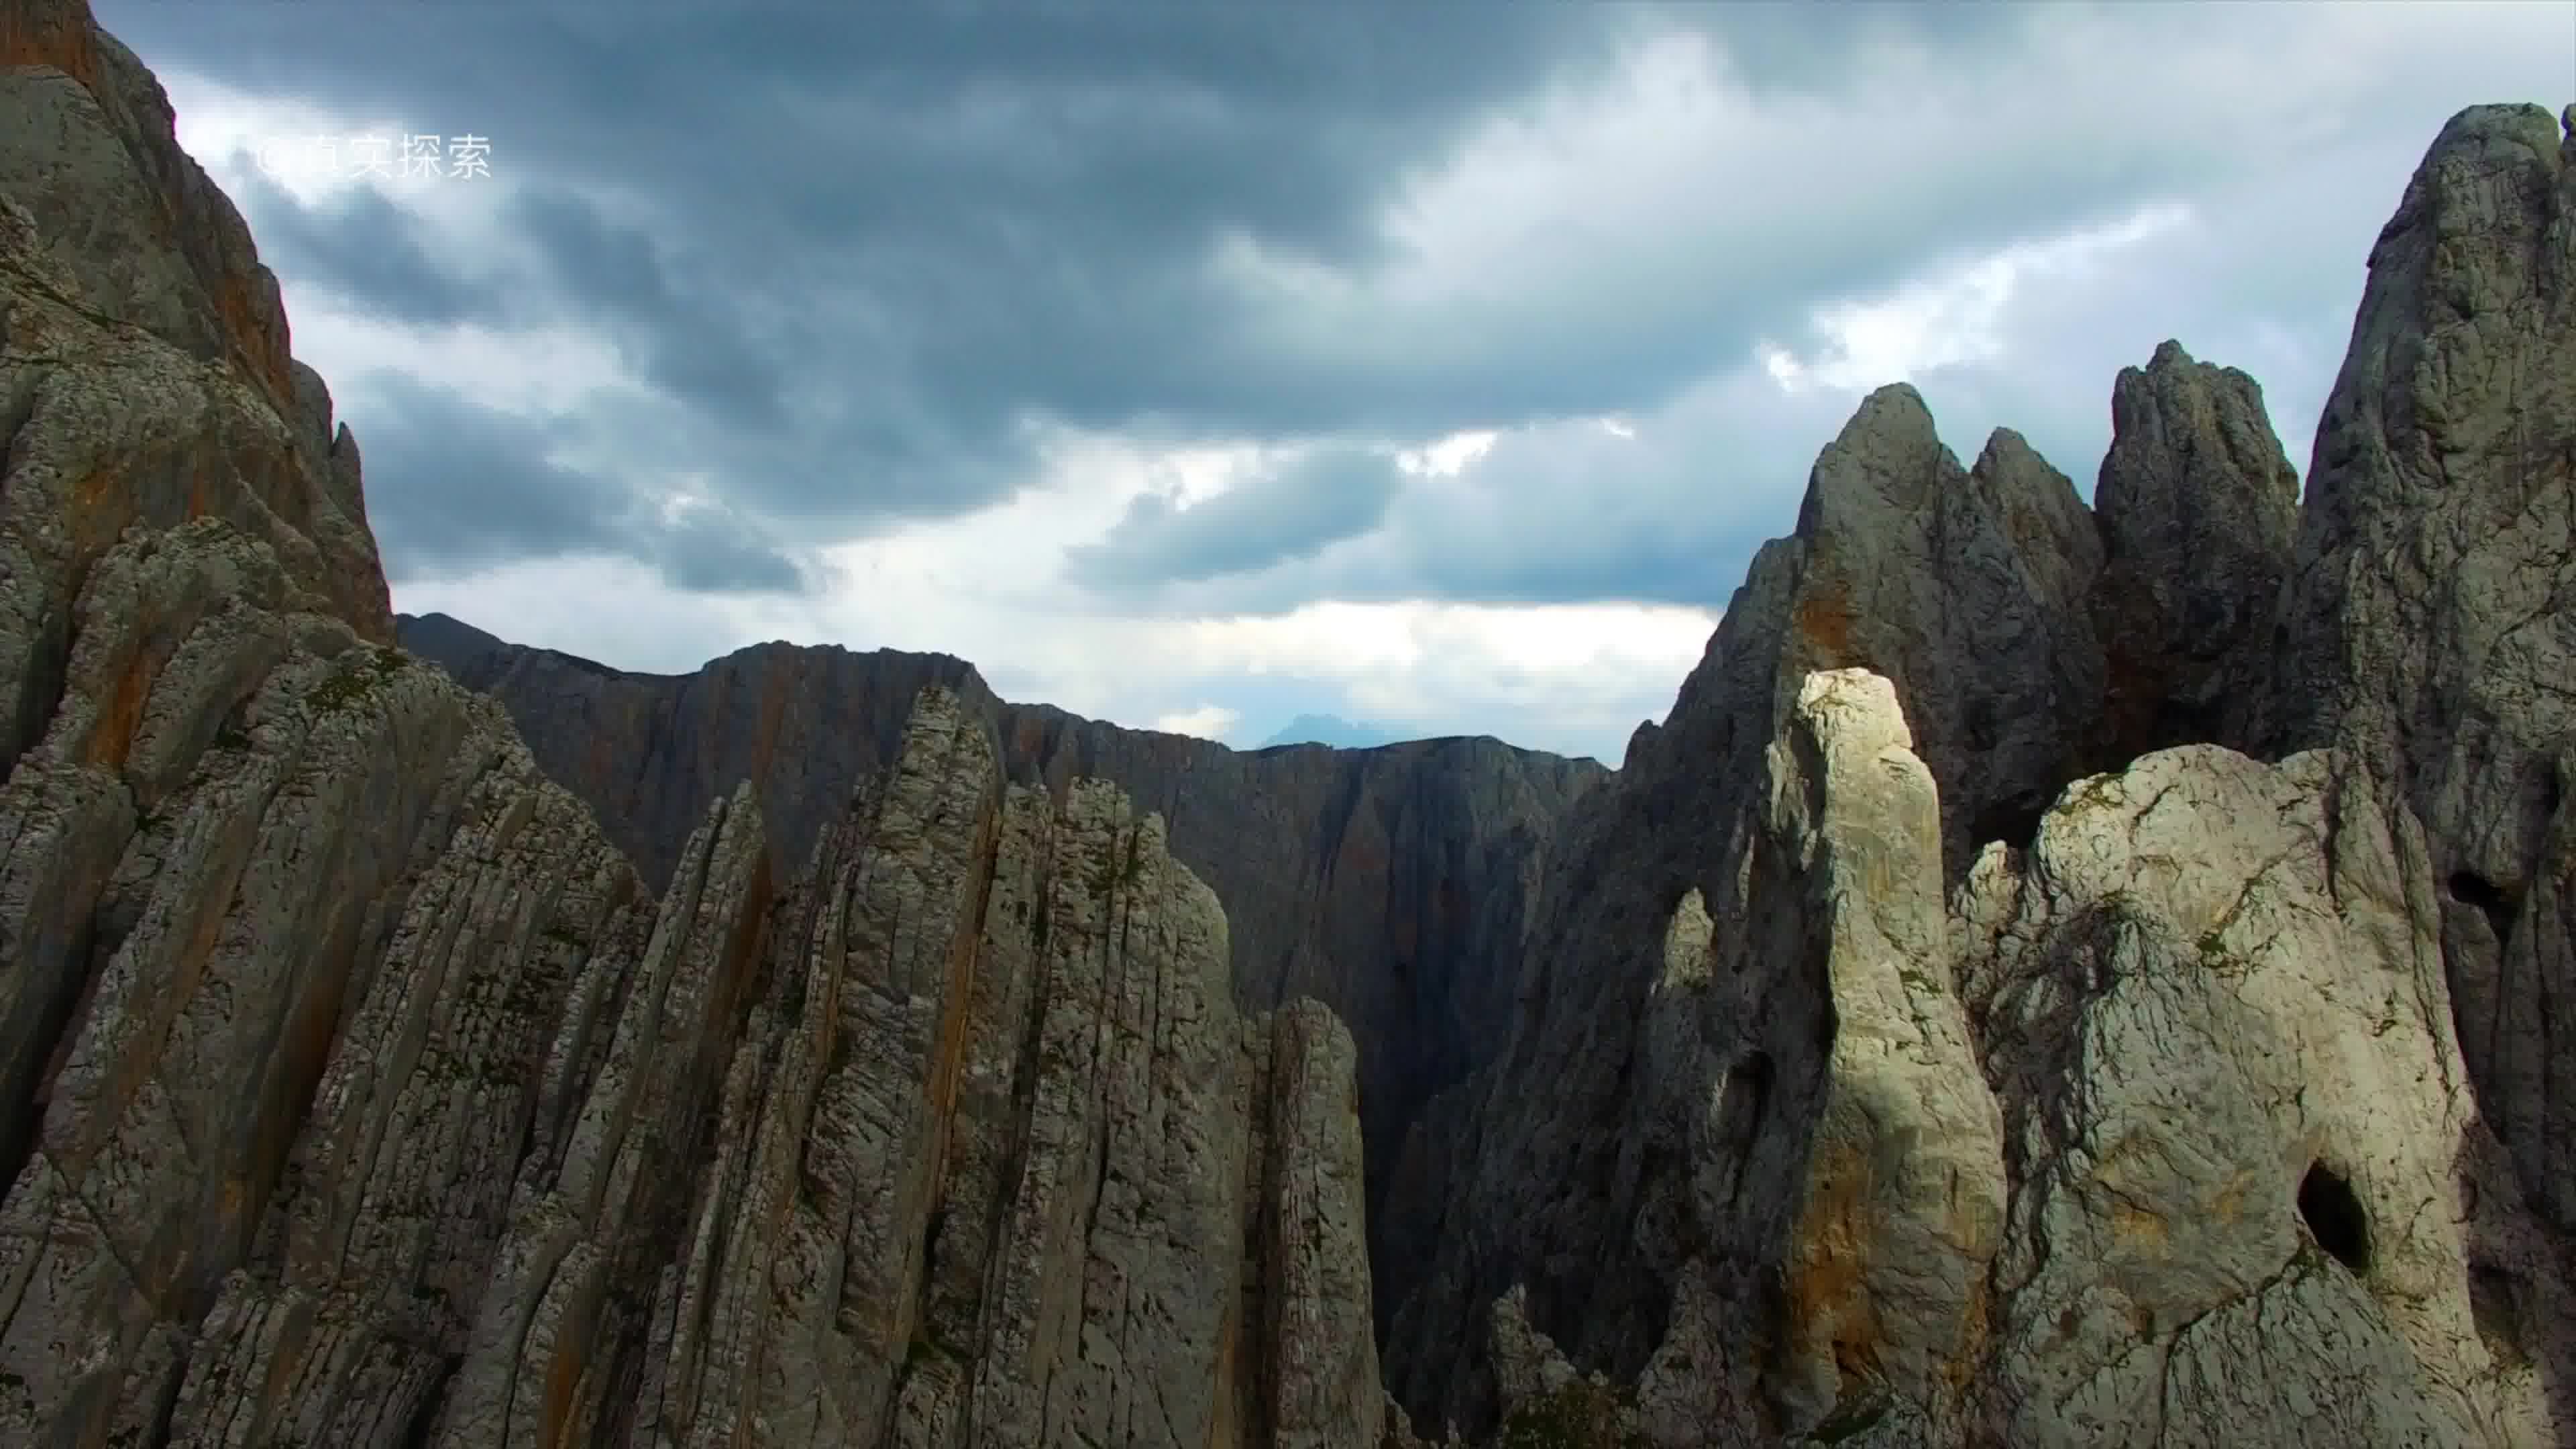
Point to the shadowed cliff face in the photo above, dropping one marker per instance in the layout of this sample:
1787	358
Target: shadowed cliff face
359	1091
1882	1075
1387	883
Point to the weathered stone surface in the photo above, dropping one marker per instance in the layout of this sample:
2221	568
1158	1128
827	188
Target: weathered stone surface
2253	1198
1967	588
2198	506
1826	1220
296	1026
1385	883
2430	627
2159	1133
358	1091
1868	1077
997	1163
124	227
2178	1121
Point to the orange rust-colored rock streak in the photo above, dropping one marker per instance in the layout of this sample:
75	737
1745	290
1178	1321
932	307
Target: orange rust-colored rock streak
1829	1302
35	32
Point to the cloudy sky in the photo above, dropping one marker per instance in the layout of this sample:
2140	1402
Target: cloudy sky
1434	364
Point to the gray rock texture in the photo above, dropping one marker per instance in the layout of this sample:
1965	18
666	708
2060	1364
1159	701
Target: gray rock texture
358	1091
1391	884
2055	978
119	218
1913	1049
2252	1199
2198	507
995	1161
2430	625
2157	1132
1968	588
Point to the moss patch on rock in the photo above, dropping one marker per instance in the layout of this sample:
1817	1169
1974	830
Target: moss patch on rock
360	674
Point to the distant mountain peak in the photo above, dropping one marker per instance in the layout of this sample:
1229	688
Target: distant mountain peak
1328	729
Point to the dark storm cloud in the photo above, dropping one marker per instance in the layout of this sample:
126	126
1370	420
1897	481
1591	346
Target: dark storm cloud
687	335
1293	512
887	237
1789	48
870	246
853	253
366	247
454	486
1569	512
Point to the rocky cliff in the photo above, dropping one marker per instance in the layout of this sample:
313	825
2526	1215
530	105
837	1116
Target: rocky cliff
1386	883
1888	1074
2429	625
2059	975
360	1092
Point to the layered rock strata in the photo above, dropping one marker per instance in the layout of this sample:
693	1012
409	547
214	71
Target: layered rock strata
360	1092
1386	883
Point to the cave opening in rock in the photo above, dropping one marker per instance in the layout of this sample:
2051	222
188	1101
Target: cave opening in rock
2474	890
2470	889
2334	1215
1746	1101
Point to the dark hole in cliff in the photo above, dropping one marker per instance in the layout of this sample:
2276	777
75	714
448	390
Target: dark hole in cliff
1747	1100
2475	890
2334	1215
2014	822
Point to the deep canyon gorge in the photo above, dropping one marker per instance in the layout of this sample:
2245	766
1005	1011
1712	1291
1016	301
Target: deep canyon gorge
2061	973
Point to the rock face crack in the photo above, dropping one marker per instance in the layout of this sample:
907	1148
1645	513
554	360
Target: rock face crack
1392	884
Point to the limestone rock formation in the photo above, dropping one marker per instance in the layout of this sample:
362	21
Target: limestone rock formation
2216	1102
120	221
359	1091
2252	1197
994	1162
2158	1133
1968	588
2430	627
1385	883
2198	506
2055	977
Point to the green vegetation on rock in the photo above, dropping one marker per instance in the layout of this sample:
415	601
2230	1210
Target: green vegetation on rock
359	675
